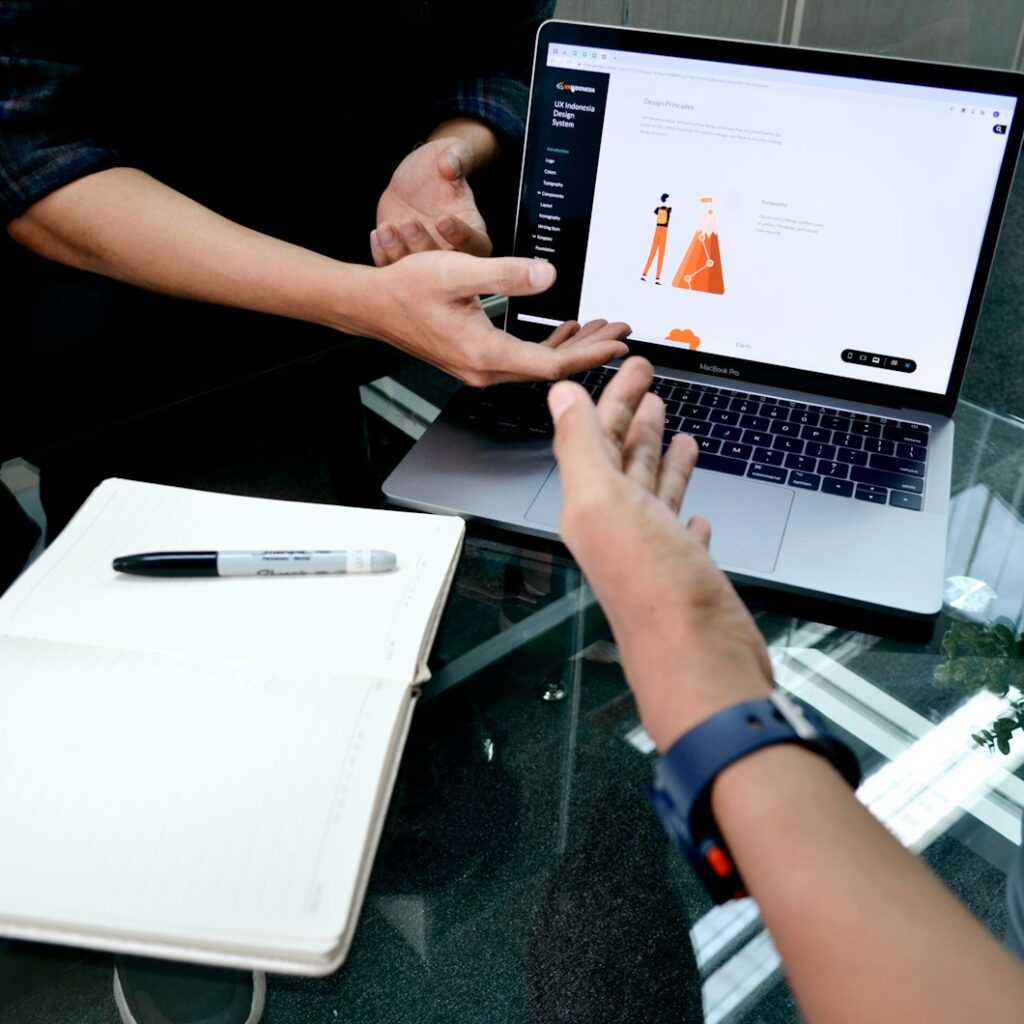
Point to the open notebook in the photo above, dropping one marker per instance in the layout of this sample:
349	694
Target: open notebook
199	768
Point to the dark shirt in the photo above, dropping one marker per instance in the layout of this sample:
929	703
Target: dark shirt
260	116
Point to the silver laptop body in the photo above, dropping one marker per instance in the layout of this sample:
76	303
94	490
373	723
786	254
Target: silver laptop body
791	233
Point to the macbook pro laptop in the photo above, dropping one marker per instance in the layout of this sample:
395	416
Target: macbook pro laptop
800	242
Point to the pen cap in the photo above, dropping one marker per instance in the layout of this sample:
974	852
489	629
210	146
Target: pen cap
382	561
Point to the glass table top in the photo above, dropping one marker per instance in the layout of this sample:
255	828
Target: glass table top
521	875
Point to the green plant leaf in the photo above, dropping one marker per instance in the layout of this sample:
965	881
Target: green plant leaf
1004	636
987	647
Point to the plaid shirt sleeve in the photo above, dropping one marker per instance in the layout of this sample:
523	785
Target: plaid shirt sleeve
500	95
45	137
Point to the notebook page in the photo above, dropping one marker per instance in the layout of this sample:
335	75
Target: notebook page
177	800
366	625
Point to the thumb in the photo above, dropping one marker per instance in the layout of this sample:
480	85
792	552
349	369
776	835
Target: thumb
580	442
456	161
505	275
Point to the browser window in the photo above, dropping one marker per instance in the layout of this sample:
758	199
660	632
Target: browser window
817	222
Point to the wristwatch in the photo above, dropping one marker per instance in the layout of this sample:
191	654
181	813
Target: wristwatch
681	788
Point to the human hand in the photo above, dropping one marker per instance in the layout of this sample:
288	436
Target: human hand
428	204
428	305
689	646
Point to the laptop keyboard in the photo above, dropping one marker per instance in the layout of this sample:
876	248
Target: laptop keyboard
774	440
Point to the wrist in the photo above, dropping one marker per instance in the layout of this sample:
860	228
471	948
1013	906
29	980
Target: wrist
690	775
676	689
347	297
671	710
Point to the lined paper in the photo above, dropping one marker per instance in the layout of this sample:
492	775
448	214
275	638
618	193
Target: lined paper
150	795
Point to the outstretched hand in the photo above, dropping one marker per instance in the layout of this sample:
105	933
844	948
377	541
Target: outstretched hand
688	644
428	204
428	305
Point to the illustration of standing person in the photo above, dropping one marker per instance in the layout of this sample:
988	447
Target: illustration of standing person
662	214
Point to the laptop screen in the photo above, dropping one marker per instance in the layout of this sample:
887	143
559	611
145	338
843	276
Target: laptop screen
751	215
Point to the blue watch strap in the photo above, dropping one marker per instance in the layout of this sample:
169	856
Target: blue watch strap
681	788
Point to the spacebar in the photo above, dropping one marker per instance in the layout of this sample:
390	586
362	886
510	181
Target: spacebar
720	464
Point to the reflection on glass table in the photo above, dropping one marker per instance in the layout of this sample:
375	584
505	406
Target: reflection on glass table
914	713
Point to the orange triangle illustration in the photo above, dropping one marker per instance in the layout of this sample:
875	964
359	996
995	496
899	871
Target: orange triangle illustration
701	267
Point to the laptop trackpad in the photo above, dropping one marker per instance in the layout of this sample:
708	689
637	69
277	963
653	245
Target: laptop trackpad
747	519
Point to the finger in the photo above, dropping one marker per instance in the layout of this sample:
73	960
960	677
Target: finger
556	339
641	451
621	398
416	237
452	163
701	529
563	332
510	359
380	258
590	333
615	329
568	359
676	468
581	445
593	326
391	243
459	235
466	275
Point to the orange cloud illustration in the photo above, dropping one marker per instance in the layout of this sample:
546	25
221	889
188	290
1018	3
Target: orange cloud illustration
686	337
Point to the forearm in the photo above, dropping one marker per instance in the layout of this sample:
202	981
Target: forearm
124	224
865	931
